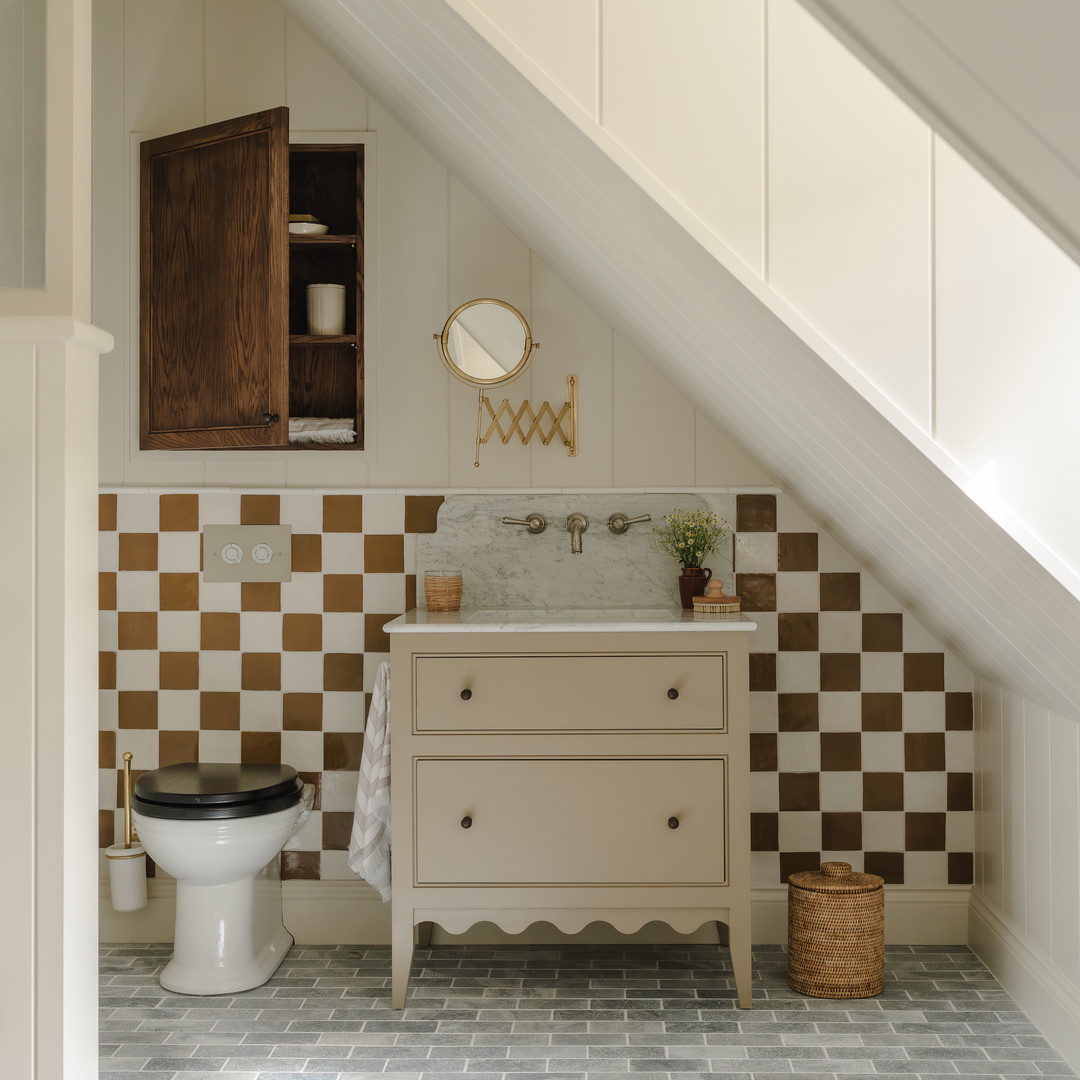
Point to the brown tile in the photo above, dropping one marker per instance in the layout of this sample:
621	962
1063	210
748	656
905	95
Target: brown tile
422	513
106	749
882	712
798	862
384	553
137	708
179	592
178	513
178	670
302	712
763	671
106	671
841	832
883	632
841	751
797	712
376	639
840	671
336	830
756	591
219	710
924	671
260	596
107	591
136	629
886	864
315	780
763	751
260	509
341	751
343	671
883	791
764	832
961	868
960	791
800	791
260	747
796	551
106	513
924	832
219	630
306	552
755	513
106	827
343	592
300	865
343	513
924	751
410	590
138	551
301	633
260	671
797	631
959	711
840	592
177	747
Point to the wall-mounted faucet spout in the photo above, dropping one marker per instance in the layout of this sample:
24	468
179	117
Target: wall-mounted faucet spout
576	524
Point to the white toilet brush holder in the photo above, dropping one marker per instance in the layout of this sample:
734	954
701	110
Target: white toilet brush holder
127	861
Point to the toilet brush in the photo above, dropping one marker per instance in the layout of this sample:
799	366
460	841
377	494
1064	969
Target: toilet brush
127	861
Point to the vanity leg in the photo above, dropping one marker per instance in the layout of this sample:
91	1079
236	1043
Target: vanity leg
423	934
401	956
741	963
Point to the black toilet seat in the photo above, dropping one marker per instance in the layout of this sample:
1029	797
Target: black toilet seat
197	791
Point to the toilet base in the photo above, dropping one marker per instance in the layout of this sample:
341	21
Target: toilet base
181	979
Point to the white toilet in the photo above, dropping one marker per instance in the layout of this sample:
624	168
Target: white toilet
218	829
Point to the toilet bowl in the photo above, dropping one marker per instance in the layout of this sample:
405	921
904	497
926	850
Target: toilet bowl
218	829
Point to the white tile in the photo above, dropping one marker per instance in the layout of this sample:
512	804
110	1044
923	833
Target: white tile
853	858
108	708
343	710
841	792
924	710
384	592
178	710
309	836
303	594
343	553
260	631
219	670
764	792
917	638
179	552
301	672
143	744
840	710
107	631
136	512
875	597
798	591
410	553
764	638
882	673
108	551
833	558
958	676
798	672
219	507
800	830
178	631
883	830
790	517
260	710
925	792
219	595
219	746
384	514
926	868
303	750
372	660
959	751
343	631
798	751
107	788
840	631
764	867
763	711
334	866
755	553
303	512
137	669
960	830
339	791
137	590
883	751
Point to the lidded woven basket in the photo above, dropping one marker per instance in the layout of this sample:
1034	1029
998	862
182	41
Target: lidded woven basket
836	932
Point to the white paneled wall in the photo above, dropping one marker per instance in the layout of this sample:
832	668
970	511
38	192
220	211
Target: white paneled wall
431	245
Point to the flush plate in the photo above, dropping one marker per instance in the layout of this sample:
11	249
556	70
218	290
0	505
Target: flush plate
247	553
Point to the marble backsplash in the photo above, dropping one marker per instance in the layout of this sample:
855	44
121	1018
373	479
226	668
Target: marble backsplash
505	566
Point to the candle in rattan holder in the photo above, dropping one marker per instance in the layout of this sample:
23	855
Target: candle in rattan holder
442	590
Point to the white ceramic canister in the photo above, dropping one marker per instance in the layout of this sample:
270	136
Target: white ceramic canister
326	309
127	876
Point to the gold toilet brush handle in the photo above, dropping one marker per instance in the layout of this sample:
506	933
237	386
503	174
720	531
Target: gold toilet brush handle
129	832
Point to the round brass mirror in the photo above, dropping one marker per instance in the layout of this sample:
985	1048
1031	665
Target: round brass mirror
486	342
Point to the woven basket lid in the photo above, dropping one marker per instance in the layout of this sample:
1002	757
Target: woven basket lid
836	877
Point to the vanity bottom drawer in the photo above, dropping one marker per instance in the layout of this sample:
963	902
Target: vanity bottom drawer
558	821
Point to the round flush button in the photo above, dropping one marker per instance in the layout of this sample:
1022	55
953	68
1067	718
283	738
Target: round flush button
231	553
262	553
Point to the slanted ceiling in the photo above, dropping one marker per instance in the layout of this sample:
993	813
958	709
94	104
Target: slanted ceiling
989	600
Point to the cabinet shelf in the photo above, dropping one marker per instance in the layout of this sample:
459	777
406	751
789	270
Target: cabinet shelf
327	240
322	339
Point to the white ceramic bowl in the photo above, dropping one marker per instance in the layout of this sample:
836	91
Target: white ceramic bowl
307	228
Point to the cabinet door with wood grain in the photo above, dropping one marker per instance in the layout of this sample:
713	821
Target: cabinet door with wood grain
214	253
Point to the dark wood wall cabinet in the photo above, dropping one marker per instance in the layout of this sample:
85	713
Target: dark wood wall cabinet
226	358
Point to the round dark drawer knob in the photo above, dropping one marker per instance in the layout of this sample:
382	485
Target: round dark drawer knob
270	417
466	822
465	695
672	822
673	693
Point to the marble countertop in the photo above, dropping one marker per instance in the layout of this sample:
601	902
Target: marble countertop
556	620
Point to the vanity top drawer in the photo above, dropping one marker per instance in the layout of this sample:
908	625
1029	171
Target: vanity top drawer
570	692
566	821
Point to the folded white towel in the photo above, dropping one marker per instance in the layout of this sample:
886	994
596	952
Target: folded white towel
369	846
321	429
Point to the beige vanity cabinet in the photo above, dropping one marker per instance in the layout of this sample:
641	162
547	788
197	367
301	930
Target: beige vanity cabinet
569	776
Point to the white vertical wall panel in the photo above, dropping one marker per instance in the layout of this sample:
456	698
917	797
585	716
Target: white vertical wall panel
1036	853
12	104
682	91
245	53
1014	809
989	794
716	456
848	212
1064	867
321	96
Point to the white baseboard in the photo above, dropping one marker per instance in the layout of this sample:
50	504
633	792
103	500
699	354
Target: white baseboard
1051	1001
351	913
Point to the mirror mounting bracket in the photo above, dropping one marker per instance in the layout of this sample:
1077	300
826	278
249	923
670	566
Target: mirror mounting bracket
527	422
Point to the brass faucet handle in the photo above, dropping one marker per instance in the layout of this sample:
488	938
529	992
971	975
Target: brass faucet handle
619	523
535	523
